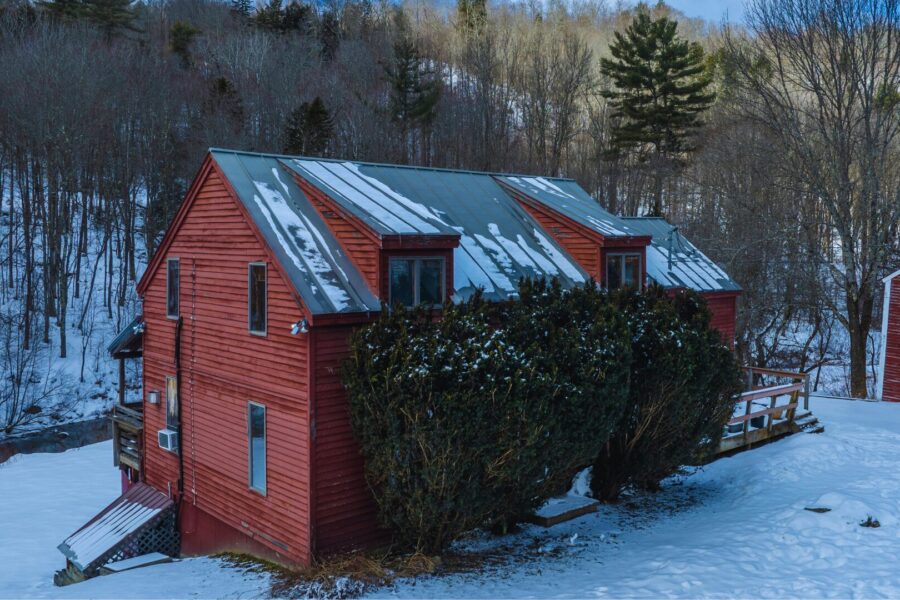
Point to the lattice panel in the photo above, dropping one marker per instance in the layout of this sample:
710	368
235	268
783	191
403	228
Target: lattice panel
162	536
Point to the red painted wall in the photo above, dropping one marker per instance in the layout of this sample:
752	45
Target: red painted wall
723	307
224	367
891	386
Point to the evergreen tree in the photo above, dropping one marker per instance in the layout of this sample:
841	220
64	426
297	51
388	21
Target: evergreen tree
270	16
180	39
661	89
242	8
329	35
297	17
415	90
309	129
63	10
471	14
112	16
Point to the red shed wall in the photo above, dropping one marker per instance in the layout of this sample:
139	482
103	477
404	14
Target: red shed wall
224	367
345	510
724	314
891	387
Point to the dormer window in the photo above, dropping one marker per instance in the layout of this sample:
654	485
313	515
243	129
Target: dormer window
416	281
623	270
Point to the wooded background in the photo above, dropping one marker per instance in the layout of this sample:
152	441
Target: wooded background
792	183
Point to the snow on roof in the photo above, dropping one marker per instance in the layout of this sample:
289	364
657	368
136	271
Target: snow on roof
499	242
128	513
567	197
674	262
293	229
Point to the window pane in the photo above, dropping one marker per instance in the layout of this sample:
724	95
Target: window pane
172	402
258	298
172	281
257	430
613	272
430	281
401	276
632	271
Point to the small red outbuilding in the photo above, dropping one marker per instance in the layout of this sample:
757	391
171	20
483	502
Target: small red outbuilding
889	360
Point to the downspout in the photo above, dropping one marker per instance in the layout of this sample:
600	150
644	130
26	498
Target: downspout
178	327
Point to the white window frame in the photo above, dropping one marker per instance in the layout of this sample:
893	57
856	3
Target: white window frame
173	378
621	258
250	267
258	490
417	262
169	261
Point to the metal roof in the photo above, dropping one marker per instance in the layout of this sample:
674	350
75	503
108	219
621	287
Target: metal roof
568	198
499	242
136	508
673	261
320	271
129	341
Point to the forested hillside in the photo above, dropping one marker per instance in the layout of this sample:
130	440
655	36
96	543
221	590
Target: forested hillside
788	174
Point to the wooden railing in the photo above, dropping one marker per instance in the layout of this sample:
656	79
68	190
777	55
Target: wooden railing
781	396
128	427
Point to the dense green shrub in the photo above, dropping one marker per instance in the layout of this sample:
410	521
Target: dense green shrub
683	383
477	418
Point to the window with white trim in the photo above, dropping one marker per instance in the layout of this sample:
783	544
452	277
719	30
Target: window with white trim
256	298
414	281
256	434
622	270
173	273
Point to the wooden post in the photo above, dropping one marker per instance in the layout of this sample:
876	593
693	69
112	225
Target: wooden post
122	381
806	392
771	416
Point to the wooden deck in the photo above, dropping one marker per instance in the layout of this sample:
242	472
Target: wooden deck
127	429
775	404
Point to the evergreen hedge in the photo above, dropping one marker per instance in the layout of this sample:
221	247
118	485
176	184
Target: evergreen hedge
475	418
683	384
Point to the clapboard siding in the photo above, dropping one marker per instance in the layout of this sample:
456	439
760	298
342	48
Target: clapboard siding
580	246
223	368
891	387
723	308
356	239
344	508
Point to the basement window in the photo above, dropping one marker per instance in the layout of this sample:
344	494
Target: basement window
172	403
172	287
623	270
416	281
257	298
256	432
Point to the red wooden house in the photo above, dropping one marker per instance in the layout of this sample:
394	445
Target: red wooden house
889	359
248	303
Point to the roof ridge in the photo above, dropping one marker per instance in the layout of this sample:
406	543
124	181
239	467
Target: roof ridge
277	155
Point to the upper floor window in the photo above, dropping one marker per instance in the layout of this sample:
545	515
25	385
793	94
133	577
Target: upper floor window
416	281
623	270
172	286
257	298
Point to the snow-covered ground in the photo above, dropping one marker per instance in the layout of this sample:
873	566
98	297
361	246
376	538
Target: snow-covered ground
736	528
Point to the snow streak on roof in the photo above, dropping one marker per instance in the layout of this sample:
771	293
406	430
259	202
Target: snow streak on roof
499	242
115	523
688	267
567	197
305	247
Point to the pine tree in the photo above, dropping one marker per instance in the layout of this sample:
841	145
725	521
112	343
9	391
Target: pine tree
180	39
111	16
415	90
242	8
329	35
309	129
471	15
63	10
661	90
271	16
297	17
